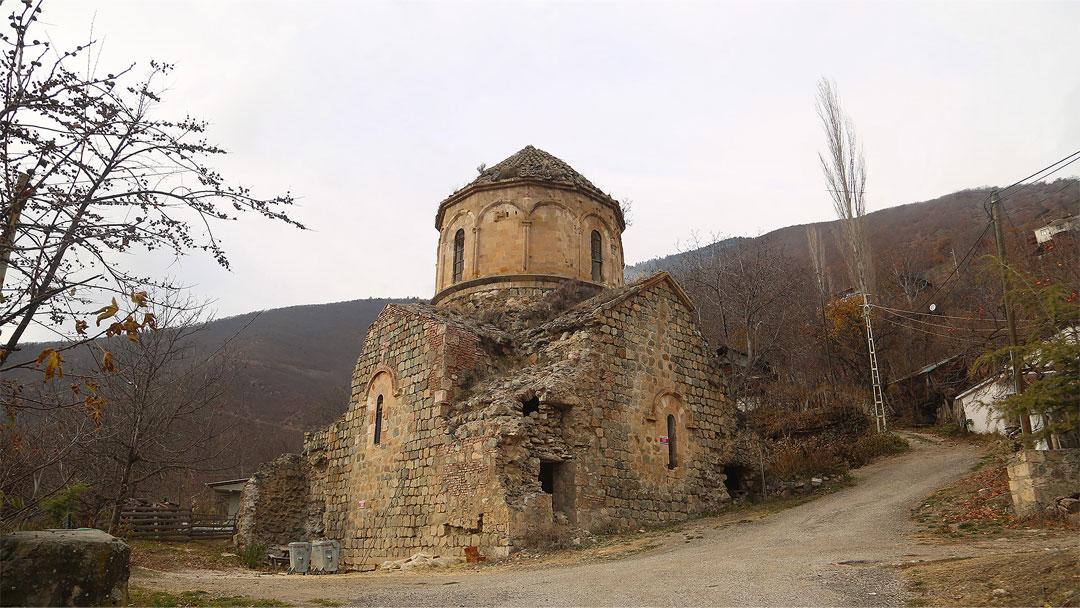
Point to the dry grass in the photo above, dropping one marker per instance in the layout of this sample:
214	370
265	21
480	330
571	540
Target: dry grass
198	599
168	556
1037	578
978	505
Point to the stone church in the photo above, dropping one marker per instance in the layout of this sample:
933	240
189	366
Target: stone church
536	395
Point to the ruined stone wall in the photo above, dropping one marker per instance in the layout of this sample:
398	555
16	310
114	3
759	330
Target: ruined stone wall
484	299
501	440
1038	477
274	504
418	487
653	362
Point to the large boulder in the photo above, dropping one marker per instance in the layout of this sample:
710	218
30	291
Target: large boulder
63	568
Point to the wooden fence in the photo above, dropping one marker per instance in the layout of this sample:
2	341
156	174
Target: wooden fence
174	523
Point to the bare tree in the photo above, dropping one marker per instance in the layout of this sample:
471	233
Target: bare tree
37	461
91	173
821	281
743	291
844	167
164	414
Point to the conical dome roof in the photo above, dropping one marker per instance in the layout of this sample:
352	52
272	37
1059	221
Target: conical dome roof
532	164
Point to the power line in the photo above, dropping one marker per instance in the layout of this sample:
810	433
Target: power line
938	334
934	314
1067	160
932	324
1050	166
960	263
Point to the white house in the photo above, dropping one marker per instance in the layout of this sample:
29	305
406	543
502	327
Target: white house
1064	224
976	409
975	406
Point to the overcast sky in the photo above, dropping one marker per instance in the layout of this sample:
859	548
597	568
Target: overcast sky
701	113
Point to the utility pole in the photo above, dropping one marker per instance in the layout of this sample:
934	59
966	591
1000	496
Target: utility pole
875	375
1010	317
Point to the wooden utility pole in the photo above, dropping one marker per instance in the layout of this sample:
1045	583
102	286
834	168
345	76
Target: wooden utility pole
1010	317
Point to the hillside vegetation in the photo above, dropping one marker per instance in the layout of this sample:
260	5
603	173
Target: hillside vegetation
292	370
924	235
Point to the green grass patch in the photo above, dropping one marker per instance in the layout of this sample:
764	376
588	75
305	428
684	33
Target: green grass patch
197	599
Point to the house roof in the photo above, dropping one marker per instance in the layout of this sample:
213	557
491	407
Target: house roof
531	164
926	369
980	385
215	485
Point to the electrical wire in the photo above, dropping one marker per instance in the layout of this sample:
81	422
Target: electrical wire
960	263
924	322
934	333
1067	160
933	314
1050	166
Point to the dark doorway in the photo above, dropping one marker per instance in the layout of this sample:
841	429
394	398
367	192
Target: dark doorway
557	478
530	405
547	476
735	480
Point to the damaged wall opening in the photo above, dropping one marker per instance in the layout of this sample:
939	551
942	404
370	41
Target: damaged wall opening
547	476
557	478
529	406
735	479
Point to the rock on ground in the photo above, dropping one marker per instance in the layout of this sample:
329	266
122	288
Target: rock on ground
63	568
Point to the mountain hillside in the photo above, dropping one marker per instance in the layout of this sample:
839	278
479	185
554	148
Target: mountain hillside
292	366
927	237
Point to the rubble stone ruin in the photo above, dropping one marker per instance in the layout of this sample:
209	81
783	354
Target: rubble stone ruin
535	397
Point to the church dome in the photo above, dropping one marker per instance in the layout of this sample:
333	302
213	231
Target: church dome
528	223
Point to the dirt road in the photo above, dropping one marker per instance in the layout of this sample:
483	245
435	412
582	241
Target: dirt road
831	551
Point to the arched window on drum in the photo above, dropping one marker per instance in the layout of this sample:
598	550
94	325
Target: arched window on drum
459	255
597	257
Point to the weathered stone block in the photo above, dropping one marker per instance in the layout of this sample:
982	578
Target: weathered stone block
63	568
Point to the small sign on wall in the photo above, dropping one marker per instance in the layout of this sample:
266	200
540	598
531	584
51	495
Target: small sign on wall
663	439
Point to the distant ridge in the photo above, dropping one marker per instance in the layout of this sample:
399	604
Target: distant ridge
926	233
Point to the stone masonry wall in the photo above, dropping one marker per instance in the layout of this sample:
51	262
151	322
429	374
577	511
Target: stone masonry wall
387	501
529	230
1038	477
274	504
653	361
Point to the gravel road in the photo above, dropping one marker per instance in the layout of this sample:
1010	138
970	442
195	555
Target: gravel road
832	551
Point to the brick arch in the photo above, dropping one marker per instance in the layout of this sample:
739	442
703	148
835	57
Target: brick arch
592	214
379	370
555	203
490	206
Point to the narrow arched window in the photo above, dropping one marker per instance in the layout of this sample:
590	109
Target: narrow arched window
671	438
378	420
597	257
459	254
